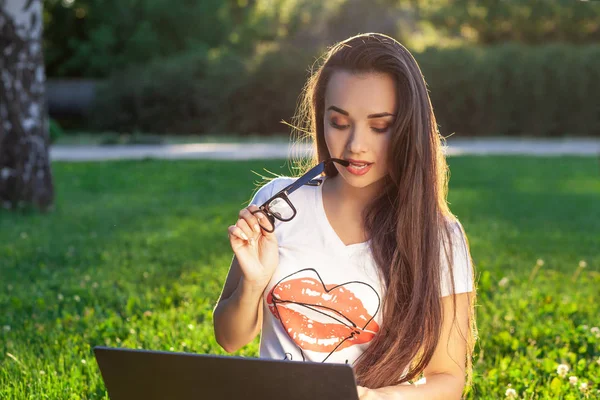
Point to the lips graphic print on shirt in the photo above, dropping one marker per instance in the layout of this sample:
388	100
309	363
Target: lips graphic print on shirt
324	317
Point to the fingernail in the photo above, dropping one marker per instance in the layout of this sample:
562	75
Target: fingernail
257	228
244	236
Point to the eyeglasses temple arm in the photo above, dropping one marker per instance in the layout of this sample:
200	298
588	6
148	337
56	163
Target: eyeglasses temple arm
306	178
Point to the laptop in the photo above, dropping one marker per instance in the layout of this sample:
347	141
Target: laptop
131	374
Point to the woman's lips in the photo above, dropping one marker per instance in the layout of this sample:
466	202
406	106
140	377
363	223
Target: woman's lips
358	171
319	319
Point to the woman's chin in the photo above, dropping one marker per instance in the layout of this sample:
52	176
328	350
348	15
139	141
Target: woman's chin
359	181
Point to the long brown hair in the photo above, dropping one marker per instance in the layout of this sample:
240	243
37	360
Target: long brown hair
408	221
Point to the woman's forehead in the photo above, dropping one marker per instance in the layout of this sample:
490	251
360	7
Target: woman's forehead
361	94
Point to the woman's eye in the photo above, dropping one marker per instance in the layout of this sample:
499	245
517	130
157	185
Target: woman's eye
381	130
378	130
333	124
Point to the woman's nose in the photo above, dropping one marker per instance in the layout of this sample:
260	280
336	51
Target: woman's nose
358	140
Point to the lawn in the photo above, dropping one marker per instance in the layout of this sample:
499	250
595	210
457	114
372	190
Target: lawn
135	255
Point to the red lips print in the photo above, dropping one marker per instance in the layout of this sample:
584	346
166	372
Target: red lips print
324	318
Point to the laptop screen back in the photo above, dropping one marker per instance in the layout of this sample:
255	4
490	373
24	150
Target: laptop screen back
142	374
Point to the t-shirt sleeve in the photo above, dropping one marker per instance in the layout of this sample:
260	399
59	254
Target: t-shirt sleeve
264	192
462	266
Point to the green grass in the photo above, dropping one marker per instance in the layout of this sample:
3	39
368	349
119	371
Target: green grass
136	252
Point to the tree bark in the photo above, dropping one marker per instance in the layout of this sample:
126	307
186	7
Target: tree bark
25	174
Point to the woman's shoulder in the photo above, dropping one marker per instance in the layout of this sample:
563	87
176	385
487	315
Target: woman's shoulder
462	266
269	187
455	229
277	183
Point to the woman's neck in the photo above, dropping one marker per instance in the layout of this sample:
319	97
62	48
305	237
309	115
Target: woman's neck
349	197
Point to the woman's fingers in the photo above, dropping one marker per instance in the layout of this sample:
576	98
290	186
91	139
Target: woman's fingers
242	234
250	219
264	221
249	225
261	217
236	232
248	233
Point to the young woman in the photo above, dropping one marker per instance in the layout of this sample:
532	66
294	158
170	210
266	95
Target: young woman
367	266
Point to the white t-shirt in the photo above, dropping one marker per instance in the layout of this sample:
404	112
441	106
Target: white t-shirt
324	301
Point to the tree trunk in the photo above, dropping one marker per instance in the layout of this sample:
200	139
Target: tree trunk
25	175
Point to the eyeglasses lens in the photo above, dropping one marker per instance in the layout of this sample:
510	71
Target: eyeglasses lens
280	209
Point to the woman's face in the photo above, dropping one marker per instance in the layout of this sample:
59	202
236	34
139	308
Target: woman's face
359	111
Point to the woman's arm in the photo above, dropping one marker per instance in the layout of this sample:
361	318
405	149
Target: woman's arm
438	386
445	373
237	317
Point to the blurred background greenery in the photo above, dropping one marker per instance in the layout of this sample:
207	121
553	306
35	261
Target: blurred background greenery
515	68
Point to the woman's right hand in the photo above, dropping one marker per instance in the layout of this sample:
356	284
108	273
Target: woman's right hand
257	251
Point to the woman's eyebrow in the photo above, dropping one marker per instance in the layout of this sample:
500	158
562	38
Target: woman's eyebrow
346	113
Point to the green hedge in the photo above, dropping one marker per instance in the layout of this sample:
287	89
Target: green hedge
509	89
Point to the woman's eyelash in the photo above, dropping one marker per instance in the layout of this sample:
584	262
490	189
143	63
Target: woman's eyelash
383	130
336	126
333	124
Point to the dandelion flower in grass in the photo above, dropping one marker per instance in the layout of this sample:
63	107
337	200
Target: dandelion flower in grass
83	361
540	262
573	380
582	264
503	282
595	330
583	387
42	372
511	393
562	370
132	331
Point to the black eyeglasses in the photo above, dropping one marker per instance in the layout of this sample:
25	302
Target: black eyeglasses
279	205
